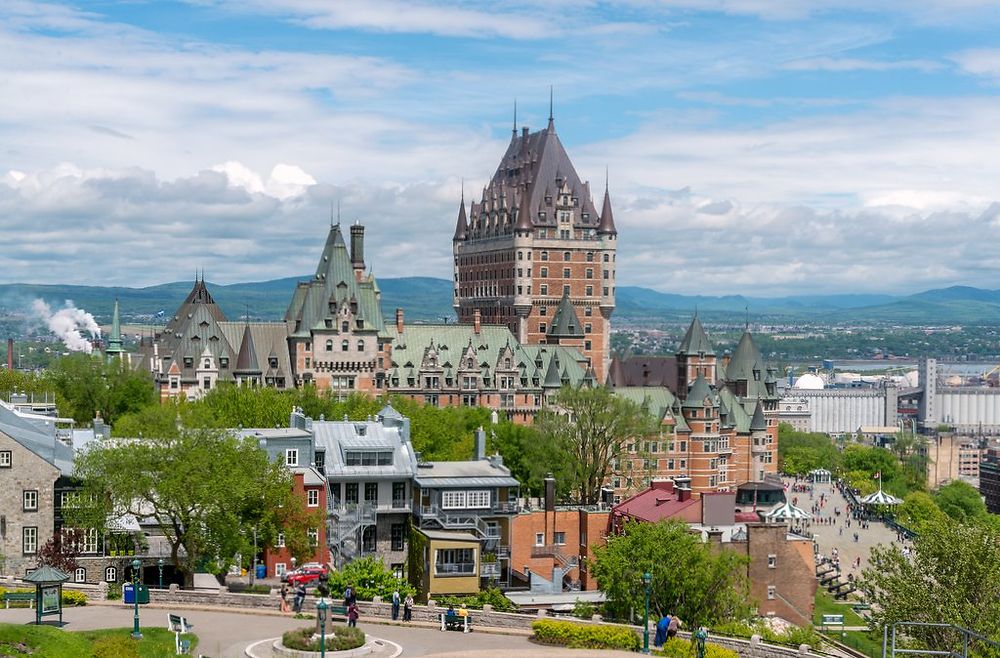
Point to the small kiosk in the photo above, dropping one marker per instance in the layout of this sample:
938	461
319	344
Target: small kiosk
48	582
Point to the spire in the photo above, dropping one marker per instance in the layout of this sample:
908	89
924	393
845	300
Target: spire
607	225
696	395
114	347
462	225
514	131
758	423
552	377
695	341
524	213
552	125
246	360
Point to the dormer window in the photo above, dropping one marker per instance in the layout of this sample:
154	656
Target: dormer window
188	361
272	362
345	326
223	361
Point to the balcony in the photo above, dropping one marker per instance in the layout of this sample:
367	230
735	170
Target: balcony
455	568
489	570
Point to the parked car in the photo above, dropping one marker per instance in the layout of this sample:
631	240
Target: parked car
307	575
305	567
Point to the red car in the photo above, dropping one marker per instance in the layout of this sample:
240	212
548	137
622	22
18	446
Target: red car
308	575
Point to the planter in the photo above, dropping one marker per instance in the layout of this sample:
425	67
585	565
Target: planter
371	645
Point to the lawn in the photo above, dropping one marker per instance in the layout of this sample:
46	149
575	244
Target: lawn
827	605
52	642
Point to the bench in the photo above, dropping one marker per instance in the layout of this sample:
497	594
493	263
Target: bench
456	622
178	624
19	596
181	646
337	610
861	607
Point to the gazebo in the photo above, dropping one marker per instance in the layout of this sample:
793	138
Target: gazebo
820	475
787	512
48	583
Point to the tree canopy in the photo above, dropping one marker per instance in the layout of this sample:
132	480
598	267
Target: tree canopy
701	586
801	452
961	502
587	428
206	489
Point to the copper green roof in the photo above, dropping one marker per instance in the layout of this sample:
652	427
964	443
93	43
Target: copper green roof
699	391
747	364
565	324
657	399
552	377
758	423
695	341
45	575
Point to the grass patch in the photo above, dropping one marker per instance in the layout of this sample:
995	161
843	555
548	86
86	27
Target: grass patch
862	641
827	605
340	638
52	642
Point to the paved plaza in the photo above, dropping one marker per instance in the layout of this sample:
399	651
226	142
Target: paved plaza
228	634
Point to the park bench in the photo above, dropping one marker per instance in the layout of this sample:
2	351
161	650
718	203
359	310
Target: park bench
178	624
453	622
861	607
337	610
181	646
19	596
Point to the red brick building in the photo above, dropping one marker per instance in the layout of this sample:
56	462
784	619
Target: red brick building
310	487
542	540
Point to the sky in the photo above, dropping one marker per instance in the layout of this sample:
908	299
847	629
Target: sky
760	147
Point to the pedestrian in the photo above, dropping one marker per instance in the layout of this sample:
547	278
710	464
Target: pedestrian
300	596
855	538
408	608
349	596
322	589
283	603
661	631
352	615
841	531
675	623
395	605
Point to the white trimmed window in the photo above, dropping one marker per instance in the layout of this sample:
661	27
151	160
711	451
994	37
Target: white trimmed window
477	499
281	540
111	575
80	575
313	536
771	593
29	540
279	569
772	561
452	500
539	539
5	459
30	500
292	457
312	498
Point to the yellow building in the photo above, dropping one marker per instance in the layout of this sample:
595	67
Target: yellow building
444	562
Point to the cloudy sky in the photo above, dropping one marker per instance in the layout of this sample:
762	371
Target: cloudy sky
754	146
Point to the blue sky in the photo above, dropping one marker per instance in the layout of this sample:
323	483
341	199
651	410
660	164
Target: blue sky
755	146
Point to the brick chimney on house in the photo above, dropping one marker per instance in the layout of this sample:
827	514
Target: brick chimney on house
477	321
683	484
399	320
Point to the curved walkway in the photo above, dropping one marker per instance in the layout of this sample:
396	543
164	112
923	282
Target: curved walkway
228	634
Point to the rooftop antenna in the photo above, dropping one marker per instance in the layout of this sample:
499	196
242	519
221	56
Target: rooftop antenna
514	131
606	178
338	212
550	103
747	326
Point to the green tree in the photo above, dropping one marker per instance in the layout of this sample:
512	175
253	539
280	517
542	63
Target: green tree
801	452
952	577
960	501
86	384
588	428
701	586
919	510
530	458
206	489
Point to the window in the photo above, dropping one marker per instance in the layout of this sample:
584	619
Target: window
771	594
292	457
399	494
188	361
351	493
478	499
542	327
605	258
772	561
539	539
30	500
345	326
559	538
545	255
587	328
29	540
368	539
280	569
565	290
312	498
397	534
345	345
452	500
329	346
111	575
321	460
281	540
590	273
566	273
566	255
361	345
543	289
5	460
371	492
313	536
543	310
80	575
455	561
543	272
223	361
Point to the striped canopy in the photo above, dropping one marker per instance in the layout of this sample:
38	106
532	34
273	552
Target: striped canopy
880	498
787	511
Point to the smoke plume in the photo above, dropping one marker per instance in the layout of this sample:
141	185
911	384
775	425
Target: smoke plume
68	324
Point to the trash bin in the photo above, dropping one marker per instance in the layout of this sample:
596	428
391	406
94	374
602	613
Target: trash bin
261	571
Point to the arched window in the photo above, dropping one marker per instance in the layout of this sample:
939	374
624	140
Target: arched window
111	575
345	345
329	346
80	575
361	345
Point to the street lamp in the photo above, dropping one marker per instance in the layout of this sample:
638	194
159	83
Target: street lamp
321	616
159	565
136	564
647	580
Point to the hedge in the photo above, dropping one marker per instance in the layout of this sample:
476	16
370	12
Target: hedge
585	636
678	648
69	597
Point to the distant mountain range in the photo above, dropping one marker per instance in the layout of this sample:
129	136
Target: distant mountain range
429	299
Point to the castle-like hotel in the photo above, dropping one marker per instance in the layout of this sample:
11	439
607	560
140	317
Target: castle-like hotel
534	291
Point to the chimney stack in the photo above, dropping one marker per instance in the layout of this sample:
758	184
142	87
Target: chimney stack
550	493
477	321
10	354
399	321
358	249
479	443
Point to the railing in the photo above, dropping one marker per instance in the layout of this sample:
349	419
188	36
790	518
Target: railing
505	508
486	530
454	568
354	512
556	553
489	570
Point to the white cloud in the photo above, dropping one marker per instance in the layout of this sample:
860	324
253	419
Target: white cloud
847	64
982	62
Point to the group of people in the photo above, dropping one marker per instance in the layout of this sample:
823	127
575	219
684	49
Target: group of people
666	628
350	601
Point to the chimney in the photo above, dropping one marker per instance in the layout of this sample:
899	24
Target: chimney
358	249
479	444
608	496
477	321
683	495
399	321
550	493
10	354
683	486
662	484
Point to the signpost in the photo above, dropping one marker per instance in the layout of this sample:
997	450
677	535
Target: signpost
834	620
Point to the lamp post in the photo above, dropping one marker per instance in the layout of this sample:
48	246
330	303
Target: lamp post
136	564
159	565
321	616
647	580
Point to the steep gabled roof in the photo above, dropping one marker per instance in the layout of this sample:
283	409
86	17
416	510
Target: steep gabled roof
699	391
552	376
758	423
462	224
246	361
695	341
565	323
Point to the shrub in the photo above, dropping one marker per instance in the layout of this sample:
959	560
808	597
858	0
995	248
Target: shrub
585	636
73	597
114	591
489	596
370	578
341	638
115	646
793	636
678	648
584	609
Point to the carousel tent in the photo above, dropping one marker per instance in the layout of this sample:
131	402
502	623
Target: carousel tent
786	512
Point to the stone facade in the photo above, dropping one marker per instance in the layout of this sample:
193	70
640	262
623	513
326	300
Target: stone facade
27	484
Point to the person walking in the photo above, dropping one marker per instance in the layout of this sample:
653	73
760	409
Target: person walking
408	608
283	603
352	615
395	605
349	596
300	597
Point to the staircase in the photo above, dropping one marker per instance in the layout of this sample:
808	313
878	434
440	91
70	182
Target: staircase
344	527
554	552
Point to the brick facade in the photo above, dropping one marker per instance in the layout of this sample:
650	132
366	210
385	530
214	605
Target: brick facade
565	534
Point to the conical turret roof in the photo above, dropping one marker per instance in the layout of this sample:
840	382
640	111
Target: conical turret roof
607	225
758	423
552	377
695	341
698	393
462	224
565	324
246	360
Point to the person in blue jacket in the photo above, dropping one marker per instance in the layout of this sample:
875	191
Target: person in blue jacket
661	631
